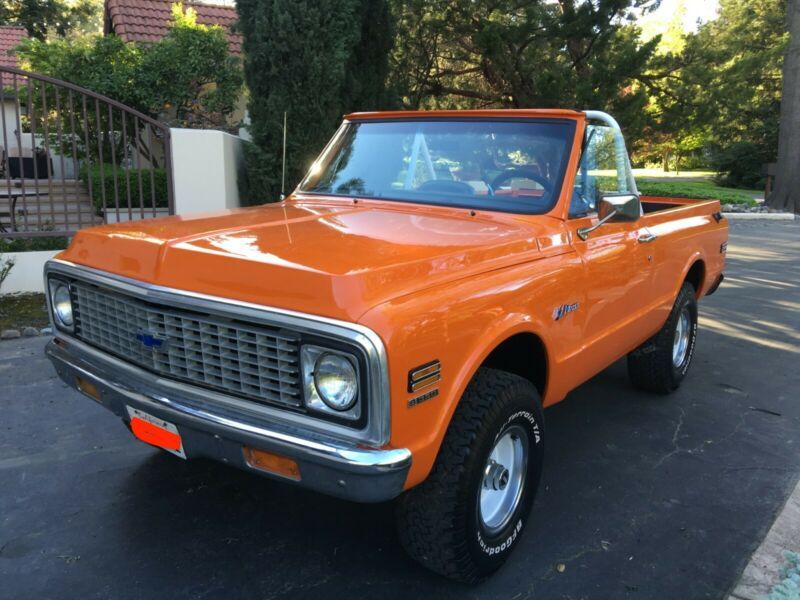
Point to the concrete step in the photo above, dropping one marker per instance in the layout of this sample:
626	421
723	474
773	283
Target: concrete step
55	192
62	205
45	201
34	215
41	183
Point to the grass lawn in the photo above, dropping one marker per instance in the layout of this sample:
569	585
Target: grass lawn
687	184
660	174
695	189
23	310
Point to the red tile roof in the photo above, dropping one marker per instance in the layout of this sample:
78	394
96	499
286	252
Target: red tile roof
10	37
148	20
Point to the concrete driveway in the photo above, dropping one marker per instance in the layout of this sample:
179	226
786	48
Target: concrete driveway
643	497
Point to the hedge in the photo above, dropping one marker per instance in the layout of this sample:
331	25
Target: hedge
694	189
32	244
98	175
701	190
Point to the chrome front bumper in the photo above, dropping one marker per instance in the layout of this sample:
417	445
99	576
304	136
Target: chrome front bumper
326	465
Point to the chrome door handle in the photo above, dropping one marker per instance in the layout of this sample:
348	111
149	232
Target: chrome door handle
646	239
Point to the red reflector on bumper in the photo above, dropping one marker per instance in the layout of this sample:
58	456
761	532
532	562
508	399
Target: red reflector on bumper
152	434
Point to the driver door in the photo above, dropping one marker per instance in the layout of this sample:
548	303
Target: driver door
617	267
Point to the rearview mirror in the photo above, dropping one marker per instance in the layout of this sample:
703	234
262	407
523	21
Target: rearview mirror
624	208
614	209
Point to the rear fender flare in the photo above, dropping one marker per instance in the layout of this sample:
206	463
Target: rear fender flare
696	256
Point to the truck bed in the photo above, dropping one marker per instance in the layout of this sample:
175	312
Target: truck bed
651	204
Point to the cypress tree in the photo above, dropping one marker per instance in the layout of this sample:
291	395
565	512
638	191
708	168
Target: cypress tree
368	68
314	59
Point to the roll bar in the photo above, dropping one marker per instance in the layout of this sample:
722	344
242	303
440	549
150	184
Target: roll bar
624	170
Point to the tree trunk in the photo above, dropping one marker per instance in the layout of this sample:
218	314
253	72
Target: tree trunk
786	195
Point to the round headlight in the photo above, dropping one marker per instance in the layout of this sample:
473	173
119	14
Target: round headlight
336	381
62	304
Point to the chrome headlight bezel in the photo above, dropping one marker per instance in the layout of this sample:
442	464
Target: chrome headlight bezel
56	287
310	356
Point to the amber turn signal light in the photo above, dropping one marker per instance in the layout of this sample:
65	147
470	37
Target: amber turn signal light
88	388
272	463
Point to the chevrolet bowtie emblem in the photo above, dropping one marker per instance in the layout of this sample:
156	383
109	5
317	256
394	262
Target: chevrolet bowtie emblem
151	341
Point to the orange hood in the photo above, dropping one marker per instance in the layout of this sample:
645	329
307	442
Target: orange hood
334	258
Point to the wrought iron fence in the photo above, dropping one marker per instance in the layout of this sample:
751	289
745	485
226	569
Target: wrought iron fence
72	158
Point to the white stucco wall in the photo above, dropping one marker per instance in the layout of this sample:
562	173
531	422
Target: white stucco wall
205	165
26	276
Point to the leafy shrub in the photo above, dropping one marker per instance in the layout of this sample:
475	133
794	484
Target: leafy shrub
740	165
694	189
104	175
701	190
695	161
189	77
33	244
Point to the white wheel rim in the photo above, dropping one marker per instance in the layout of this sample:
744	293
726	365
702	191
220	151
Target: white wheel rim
680	343
503	479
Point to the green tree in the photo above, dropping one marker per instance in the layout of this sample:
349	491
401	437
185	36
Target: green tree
512	53
725	86
188	78
670	134
60	17
105	65
745	46
191	73
368	66
315	60
787	184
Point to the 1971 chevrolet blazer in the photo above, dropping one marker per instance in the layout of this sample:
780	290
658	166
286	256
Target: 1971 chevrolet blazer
394	328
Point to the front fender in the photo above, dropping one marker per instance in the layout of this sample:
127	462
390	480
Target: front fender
459	325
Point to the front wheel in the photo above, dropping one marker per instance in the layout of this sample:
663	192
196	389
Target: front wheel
660	364
466	518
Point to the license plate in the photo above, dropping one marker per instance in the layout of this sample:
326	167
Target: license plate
156	432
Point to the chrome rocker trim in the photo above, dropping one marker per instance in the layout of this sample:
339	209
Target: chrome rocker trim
326	465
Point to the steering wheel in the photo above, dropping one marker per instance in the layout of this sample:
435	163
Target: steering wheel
446	186
521	172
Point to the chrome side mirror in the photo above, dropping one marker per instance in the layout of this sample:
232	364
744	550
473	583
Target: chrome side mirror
614	209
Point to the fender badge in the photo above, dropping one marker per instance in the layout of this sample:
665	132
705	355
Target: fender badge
424	376
563	310
420	399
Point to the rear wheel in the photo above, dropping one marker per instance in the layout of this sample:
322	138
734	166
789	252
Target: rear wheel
660	364
464	520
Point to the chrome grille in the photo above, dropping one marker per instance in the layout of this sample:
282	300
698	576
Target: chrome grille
254	361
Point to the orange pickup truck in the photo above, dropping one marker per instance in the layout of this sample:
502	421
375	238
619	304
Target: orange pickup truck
394	328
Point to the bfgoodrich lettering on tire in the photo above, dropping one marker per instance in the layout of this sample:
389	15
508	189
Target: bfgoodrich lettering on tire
660	364
464	520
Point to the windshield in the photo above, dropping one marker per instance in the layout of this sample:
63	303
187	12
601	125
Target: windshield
514	166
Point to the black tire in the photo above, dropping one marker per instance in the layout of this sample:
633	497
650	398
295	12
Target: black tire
439	522
651	366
